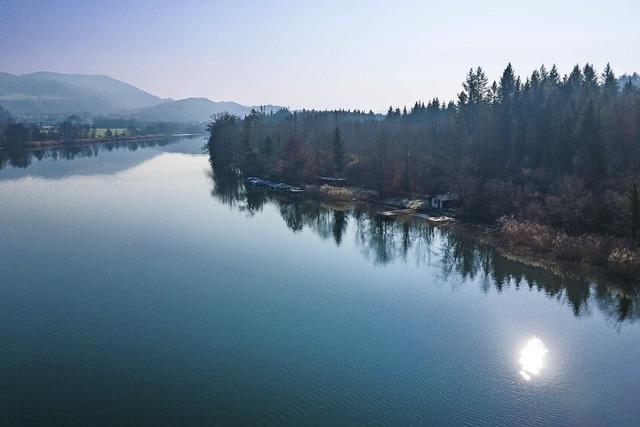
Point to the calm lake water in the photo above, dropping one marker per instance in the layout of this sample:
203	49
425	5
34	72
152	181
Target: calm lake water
140	288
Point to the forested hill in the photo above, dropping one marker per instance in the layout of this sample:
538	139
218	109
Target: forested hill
558	150
192	110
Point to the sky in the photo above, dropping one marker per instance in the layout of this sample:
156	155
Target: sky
313	54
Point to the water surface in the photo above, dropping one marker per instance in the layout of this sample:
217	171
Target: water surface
139	287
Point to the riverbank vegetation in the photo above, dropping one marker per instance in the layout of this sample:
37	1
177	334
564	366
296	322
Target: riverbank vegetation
544	244
561	152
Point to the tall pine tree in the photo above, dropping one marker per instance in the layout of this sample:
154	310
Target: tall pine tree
635	210
337	144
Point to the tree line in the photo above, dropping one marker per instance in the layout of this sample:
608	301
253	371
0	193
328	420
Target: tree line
556	150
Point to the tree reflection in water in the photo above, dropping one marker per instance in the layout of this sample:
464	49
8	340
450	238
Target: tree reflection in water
23	158
457	257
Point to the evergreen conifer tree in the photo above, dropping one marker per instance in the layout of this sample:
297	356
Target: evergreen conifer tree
337	144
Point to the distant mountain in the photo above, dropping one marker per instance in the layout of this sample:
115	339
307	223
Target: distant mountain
53	94
635	79
192	110
46	93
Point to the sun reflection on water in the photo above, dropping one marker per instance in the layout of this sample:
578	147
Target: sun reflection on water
532	358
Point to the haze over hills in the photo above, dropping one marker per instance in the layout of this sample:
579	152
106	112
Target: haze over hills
56	95
192	110
50	94
44	93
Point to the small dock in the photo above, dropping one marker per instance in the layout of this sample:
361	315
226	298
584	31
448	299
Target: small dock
442	219
396	213
274	185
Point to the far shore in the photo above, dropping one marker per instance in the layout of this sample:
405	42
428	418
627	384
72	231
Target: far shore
52	143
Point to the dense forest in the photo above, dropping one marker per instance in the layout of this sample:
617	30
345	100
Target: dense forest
557	150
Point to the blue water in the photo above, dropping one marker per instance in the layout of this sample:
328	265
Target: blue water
139	288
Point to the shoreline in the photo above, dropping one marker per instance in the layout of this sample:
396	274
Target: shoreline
484	234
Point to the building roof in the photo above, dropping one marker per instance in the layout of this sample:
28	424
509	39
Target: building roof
446	197
331	179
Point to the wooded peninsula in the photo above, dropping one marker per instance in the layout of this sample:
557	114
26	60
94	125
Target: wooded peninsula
553	161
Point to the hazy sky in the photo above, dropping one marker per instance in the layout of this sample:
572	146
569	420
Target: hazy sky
322	54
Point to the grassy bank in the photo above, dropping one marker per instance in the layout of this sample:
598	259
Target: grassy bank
547	247
339	194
